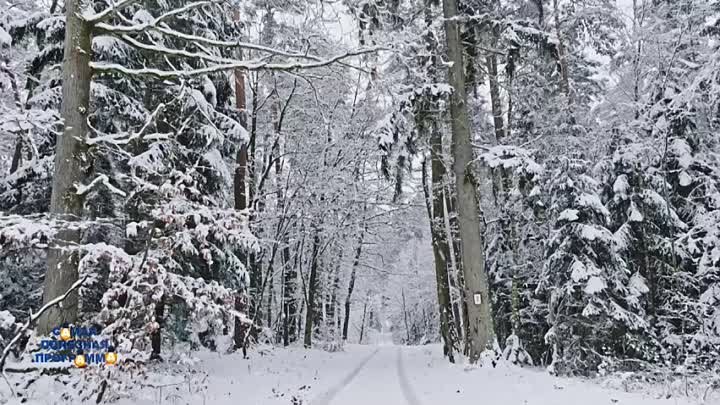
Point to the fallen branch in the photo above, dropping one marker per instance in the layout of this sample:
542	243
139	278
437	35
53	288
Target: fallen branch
30	321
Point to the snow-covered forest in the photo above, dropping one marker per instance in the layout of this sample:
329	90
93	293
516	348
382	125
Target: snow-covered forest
228	192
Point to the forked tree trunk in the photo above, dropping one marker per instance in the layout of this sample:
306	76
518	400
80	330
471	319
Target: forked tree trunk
477	295
70	158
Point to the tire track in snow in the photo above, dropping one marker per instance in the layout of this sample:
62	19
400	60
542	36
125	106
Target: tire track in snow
332	392
407	391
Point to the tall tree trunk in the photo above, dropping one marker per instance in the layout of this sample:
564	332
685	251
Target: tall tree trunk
70	157
240	193
455	269
428	124
441	251
311	290
351	285
477	295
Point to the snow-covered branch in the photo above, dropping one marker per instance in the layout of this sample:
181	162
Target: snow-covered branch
101	179
122	139
174	52
152	23
114	8
120	30
239	64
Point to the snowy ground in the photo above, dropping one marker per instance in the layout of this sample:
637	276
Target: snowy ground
383	374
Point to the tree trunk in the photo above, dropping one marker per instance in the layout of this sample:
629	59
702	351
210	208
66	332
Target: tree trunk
288	296
240	194
405	316
70	159
441	250
561	56
480	332
312	288
362	325
351	285
455	269
156	335
495	102
428	126
17	155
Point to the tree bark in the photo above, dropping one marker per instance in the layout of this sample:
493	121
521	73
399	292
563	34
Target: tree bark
70	159
480	331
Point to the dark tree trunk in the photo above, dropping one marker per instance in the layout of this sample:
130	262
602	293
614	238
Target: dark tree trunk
311	291
290	309
351	285
17	155
156	336
241	199
362	325
405	316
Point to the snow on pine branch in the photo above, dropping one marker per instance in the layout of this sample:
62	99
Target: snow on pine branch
101	179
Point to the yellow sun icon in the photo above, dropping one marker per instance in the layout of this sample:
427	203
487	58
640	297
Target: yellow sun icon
80	361
111	358
65	334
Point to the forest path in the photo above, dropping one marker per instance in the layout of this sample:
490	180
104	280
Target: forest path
383	374
380	379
